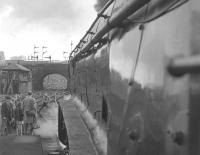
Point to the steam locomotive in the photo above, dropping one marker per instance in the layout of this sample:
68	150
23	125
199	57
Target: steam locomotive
137	70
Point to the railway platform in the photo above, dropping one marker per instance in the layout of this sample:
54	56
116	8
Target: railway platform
20	145
80	142
45	141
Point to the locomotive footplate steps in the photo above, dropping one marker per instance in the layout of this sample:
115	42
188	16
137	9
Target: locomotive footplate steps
20	145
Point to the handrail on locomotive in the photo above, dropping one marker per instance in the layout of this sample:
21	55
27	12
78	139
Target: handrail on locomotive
84	48
113	21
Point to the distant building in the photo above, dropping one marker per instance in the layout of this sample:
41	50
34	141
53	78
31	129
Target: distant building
55	81
20	57
15	79
2	59
2	56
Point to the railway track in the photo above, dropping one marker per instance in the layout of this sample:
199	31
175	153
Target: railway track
48	119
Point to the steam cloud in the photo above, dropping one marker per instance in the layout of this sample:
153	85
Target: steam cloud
57	15
53	23
97	133
48	125
99	5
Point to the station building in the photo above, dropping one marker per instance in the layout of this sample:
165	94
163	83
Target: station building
15	79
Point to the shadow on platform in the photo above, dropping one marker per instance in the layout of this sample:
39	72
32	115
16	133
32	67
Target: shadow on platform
20	145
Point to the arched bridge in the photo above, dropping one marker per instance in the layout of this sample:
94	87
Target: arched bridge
41	69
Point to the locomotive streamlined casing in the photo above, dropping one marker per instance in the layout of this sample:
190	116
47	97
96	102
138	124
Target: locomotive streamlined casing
155	116
150	111
91	82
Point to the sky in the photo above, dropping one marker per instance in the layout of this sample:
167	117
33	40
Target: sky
50	23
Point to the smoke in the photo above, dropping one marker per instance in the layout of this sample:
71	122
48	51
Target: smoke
56	15
48	124
51	23
100	4
98	134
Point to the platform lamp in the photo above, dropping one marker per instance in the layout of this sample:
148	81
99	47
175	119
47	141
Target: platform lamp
43	52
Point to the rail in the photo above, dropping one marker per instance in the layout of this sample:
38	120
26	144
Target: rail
62	128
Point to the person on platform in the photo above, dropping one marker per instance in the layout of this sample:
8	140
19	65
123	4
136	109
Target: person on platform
18	114
45	101
13	103
6	115
30	113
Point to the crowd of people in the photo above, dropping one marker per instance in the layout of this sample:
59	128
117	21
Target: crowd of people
19	113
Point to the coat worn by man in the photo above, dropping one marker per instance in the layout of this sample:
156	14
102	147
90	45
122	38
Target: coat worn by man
18	112
6	115
30	109
7	110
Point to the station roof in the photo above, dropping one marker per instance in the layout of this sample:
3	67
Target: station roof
16	67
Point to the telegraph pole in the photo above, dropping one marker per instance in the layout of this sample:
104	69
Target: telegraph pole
64	54
34	49
33	57
71	45
49	57
43	52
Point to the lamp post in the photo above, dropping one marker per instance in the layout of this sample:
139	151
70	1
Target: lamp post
64	54
49	57
71	45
